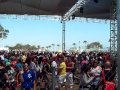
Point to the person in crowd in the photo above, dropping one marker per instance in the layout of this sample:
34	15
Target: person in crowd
2	55
4	78
62	71
11	74
109	76
27	78
54	67
84	60
24	58
85	78
19	71
109	72
96	71
69	69
38	73
33	66
38	70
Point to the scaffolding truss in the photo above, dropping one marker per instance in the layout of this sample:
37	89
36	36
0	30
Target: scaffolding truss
75	8
113	30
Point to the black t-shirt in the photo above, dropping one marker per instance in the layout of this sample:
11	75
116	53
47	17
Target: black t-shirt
46	68
40	58
109	75
2	77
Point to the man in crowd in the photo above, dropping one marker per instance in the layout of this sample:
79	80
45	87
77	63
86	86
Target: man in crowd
27	78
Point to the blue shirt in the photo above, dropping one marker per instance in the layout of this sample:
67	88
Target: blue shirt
29	78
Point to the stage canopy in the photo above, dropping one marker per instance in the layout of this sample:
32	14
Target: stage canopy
99	10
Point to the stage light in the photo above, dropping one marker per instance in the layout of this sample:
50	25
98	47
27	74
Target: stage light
81	9
69	18
96	1
73	16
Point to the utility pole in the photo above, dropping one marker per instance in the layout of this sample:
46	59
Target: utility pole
63	35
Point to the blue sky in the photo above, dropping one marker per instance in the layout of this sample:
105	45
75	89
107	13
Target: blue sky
46	32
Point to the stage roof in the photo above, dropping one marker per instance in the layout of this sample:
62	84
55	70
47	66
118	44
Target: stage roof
100	10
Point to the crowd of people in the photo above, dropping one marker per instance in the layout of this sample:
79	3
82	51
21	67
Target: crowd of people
26	70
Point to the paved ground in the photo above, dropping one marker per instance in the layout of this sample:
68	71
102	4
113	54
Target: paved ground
75	87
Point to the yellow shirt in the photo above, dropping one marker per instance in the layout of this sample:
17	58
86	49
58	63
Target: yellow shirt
63	69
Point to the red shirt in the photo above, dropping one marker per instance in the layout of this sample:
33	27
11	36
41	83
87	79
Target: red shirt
70	64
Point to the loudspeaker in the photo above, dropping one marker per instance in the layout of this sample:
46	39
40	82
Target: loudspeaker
73	16
81	9
96	1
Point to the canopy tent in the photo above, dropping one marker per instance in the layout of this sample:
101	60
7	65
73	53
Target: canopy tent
91	9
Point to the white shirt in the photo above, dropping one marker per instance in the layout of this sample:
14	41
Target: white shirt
2	57
54	64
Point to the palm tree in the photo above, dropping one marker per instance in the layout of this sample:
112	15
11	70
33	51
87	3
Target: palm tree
38	46
53	45
79	46
58	45
3	32
49	47
74	45
85	42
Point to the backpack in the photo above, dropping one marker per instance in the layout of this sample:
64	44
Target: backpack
109	85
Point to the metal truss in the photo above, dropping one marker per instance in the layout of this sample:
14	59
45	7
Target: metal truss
31	17
113	30
75	8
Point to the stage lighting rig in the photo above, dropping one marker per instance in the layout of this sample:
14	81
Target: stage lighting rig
75	8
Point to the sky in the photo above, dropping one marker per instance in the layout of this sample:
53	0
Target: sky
47	32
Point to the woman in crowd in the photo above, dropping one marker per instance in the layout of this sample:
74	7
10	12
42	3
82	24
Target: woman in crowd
85	78
96	71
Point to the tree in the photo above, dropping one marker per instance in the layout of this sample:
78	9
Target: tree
27	46
3	32
49	47
38	46
95	45
58	45
74	45
79	46
33	47
23	47
85	42
18	46
53	45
